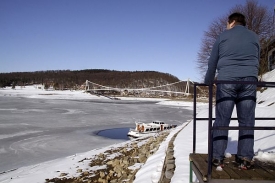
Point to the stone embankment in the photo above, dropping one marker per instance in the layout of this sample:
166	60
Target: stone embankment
119	165
169	162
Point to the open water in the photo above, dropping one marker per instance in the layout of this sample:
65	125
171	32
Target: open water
115	133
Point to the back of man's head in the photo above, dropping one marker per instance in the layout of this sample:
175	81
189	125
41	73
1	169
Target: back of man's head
238	17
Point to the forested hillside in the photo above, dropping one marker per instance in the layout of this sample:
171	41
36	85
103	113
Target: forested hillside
67	79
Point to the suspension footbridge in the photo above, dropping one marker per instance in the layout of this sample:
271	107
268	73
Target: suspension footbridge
179	88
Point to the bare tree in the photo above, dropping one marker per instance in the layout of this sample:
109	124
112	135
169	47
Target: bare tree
210	36
259	19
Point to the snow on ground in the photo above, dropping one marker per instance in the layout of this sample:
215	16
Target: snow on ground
35	92
183	143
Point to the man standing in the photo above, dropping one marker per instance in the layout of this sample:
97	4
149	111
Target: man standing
235	55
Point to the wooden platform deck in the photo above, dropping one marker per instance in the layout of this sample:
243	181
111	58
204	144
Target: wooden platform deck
261	173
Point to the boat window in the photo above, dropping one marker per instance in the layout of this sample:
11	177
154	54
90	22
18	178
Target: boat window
158	128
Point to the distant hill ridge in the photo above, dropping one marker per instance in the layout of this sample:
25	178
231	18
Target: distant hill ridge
61	79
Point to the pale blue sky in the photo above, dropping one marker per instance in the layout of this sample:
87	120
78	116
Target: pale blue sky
124	35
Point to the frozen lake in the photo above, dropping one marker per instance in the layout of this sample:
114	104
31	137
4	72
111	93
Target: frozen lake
38	130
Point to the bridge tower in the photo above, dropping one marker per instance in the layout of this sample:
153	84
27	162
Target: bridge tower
87	85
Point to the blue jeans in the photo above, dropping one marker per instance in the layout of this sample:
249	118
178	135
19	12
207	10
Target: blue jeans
244	96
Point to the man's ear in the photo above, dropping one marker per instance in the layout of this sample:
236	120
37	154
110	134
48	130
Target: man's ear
232	24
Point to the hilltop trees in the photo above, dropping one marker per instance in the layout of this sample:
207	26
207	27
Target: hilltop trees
259	20
66	79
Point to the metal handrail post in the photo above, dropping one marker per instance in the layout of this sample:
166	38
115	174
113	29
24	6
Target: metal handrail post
194	118
210	144
190	173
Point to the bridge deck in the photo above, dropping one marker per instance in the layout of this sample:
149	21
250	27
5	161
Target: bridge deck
262	172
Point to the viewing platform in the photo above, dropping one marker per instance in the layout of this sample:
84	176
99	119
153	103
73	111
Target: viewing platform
201	164
261	173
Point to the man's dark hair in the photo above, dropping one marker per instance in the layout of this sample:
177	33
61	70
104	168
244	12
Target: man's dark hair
238	17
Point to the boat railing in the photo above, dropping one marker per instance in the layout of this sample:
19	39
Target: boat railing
132	129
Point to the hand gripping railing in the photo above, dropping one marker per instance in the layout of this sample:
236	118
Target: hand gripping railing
210	118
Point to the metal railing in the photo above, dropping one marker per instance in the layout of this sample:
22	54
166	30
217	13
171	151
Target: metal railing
210	118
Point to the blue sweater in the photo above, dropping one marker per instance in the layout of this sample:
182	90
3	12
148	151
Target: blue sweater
235	54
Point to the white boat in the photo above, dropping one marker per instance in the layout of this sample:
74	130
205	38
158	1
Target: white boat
143	129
